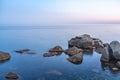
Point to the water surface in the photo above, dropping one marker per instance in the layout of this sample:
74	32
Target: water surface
41	39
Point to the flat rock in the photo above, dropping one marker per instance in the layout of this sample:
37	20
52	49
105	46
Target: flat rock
56	49
4	56
22	50
12	75
72	51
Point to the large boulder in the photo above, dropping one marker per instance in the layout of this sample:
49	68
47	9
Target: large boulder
106	53
83	41
57	50
72	51
4	56
76	59
115	45
12	75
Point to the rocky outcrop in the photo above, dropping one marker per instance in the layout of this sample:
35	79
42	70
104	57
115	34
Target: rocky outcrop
4	56
22	50
12	75
72	51
76	59
57	50
85	42
115	45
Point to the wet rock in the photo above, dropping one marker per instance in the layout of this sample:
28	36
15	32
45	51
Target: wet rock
49	54
12	75
106	53
83	41
56	49
115	45
118	64
22	50
72	51
97	43
76	59
89	51
4	56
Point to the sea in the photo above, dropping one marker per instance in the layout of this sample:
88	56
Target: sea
39	39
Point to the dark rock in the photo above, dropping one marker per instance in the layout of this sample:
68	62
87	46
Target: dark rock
49	54
98	43
106	53
4	56
12	75
72	51
118	64
56	49
83	41
22	51
76	59
115	45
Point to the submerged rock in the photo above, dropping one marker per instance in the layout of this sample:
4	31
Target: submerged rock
115	45
22	50
12	75
76	59
72	51
4	56
54	72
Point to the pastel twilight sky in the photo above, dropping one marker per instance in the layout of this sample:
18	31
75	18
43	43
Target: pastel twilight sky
50	12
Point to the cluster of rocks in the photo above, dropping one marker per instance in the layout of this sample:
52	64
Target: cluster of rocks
85	43
4	56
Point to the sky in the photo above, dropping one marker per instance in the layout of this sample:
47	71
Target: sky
51	12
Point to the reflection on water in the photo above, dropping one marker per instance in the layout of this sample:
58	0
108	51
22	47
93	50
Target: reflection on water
37	67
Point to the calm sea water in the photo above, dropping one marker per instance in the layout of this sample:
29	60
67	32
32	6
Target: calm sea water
41	39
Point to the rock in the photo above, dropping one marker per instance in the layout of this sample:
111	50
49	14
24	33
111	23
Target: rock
106	53
72	51
49	54
115	45
22	51
12	75
97	43
4	56
83	41
76	59
118	64
56	49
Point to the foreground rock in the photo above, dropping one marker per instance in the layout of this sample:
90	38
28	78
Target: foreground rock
12	75
4	56
72	51
57	50
115	45
106	51
76	59
22	51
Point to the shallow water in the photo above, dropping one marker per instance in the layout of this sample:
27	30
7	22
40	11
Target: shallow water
40	39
